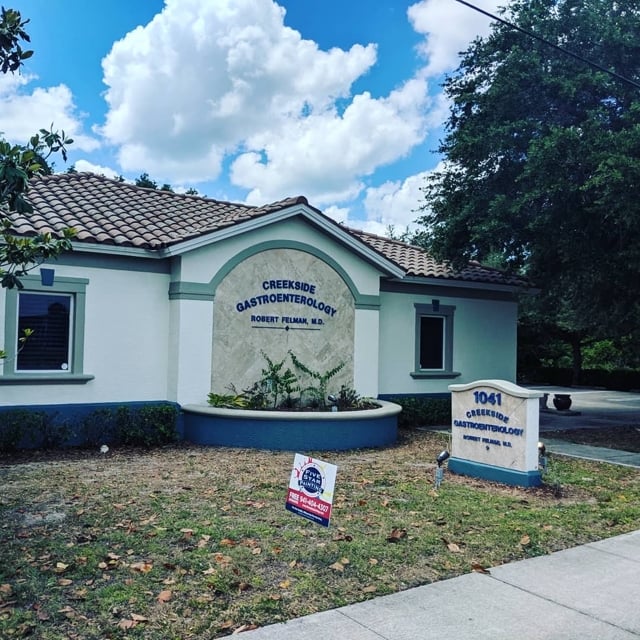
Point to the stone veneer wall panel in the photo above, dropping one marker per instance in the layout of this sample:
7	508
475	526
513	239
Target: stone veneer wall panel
239	336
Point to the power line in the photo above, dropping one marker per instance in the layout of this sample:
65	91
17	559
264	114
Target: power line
595	65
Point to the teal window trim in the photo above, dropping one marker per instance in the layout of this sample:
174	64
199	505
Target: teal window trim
75	374
435	310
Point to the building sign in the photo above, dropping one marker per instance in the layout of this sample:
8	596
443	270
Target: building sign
494	431
311	487
309	311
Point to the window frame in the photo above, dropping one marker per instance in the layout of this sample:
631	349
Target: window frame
76	287
435	310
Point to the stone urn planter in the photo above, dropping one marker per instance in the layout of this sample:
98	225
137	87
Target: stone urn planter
562	401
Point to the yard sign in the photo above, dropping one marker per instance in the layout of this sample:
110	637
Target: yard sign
311	486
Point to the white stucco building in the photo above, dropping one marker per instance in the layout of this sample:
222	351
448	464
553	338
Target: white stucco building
167	297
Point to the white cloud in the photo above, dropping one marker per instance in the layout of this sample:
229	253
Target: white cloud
449	27
324	156
395	204
23	113
85	165
206	82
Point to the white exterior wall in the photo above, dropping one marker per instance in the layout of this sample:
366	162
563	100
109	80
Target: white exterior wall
365	374
190	364
484	342
125	341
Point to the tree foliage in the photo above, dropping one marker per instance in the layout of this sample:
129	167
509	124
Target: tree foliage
543	163
18	165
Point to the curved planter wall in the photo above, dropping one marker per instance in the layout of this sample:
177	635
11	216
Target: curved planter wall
292	430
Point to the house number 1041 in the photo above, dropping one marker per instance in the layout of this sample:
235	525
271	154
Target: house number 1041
482	397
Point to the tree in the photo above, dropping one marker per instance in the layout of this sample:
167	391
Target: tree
543	162
18	165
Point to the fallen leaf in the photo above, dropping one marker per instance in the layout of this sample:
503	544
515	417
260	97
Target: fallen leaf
285	584
336	566
64	582
126	624
478	568
227	624
453	547
244	627
525	540
138	618
227	542
373	561
61	567
257	551
370	589
5	588
164	596
396	535
142	567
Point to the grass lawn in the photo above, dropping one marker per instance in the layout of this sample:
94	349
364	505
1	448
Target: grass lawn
194	542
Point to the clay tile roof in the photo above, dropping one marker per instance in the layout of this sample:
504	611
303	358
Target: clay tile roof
417	262
112	212
105	211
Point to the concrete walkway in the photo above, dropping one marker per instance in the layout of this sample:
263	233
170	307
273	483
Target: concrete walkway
591	592
587	452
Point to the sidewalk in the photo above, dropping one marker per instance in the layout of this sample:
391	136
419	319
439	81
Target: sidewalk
585	593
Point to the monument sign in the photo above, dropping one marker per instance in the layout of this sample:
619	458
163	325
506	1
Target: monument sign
495	431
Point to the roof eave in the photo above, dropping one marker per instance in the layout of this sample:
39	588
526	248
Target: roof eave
466	284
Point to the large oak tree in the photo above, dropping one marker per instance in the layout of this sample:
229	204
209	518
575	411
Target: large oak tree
542	172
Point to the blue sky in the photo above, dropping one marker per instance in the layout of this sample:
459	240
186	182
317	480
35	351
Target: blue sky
248	100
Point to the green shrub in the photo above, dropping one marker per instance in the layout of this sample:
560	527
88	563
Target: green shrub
97	427
148	426
423	412
19	426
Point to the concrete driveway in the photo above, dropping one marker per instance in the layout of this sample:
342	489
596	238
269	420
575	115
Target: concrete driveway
591	408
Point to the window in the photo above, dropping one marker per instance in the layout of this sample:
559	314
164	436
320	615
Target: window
50	318
434	341
54	351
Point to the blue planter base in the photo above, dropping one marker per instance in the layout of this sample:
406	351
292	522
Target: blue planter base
292	431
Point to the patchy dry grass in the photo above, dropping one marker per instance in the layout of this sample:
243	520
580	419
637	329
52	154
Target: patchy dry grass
195	542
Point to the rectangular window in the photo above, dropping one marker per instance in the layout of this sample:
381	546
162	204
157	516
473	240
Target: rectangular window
55	314
432	335
434	341
50	319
